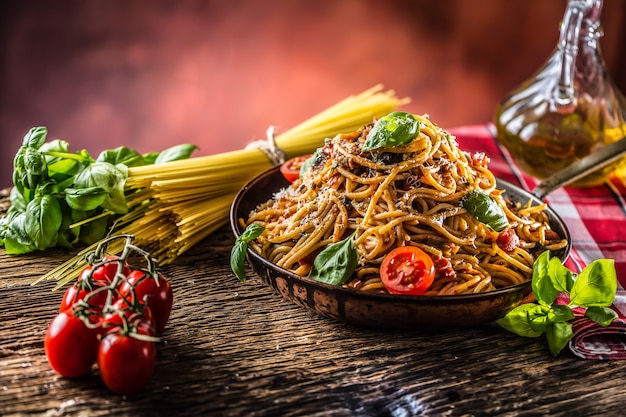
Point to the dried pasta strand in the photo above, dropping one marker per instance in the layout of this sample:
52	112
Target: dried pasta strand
177	204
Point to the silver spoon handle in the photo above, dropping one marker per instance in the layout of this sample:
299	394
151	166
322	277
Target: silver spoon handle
590	163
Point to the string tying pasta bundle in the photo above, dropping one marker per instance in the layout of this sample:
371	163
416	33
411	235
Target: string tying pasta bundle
172	206
402	195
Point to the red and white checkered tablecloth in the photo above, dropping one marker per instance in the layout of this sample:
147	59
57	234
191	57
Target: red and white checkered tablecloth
596	218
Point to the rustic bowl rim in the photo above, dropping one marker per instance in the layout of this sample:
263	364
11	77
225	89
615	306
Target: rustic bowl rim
370	295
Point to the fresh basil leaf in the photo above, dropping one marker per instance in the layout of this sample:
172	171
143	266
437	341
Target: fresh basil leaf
306	164
42	221
16	240
561	277
56	146
150	157
558	336
601	315
596	285
541	283
109	177
35	137
60	170
516	321
36	169
85	199
175	153
121	155
94	230
485	209
17	200
335	264
395	129
560	312
538	317
238	252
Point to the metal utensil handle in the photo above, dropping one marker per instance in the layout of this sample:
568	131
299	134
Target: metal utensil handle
590	163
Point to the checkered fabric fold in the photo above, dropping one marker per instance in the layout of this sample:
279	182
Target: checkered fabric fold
596	219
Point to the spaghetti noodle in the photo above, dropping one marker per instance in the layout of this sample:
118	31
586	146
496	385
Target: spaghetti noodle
402	195
172	206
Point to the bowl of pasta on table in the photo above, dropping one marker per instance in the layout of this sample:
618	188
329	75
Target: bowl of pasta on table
394	226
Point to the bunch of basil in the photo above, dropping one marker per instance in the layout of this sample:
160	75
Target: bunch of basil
54	189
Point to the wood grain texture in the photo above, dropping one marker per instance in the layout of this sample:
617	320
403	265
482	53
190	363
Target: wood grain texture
235	349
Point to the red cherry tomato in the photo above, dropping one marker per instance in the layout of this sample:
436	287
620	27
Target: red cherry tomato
107	268
71	347
157	293
85	289
291	168
137	317
126	363
407	270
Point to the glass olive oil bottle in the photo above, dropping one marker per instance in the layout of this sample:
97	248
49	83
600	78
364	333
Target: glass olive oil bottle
570	107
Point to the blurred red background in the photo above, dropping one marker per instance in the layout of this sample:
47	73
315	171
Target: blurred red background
152	74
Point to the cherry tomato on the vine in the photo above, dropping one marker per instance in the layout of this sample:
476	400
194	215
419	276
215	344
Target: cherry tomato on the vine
141	286
71	347
291	168
126	362
407	270
132	317
107	268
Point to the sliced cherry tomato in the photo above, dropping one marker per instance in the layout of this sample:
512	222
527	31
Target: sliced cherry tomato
71	347
407	270
291	168
141	287
126	362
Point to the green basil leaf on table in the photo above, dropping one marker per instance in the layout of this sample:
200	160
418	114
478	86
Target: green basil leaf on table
561	277
175	153
109	177
394	129
517	321
35	137
558	335
560	312
42	221
16	240
596	285
485	209
238	252
335	264
542	285
601	315
121	155
85	199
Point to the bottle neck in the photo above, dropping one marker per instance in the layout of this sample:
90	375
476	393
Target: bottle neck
580	28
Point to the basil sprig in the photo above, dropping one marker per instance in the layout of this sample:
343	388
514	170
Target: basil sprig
395	129
238	252
593	290
335	264
55	188
485	209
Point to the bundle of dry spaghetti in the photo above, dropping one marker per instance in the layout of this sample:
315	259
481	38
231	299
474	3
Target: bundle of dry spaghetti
173	206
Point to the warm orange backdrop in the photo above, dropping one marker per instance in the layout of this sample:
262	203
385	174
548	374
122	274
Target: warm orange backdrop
151	74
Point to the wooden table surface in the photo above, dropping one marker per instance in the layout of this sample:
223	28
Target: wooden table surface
233	349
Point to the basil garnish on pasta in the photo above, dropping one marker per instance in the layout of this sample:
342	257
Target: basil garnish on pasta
485	209
238	252
395	129
335	264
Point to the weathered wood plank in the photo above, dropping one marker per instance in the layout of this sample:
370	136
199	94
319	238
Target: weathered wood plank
237	349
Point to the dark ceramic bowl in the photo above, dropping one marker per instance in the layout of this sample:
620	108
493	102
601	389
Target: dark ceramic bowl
376	309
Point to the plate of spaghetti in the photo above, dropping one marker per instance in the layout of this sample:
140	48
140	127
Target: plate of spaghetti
395	226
